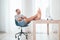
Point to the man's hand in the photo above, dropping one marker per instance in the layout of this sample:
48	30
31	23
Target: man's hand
19	19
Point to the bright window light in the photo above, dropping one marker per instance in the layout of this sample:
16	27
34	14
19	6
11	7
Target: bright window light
43	5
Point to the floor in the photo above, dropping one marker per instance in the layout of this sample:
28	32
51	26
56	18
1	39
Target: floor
11	36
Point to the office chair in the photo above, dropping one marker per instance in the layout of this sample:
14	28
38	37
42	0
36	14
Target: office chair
20	33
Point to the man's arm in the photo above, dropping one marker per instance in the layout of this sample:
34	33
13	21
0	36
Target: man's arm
19	19
24	17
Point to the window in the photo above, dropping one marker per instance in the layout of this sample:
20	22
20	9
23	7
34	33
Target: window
43	5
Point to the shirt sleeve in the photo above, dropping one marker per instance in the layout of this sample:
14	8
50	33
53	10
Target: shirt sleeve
22	15
16	17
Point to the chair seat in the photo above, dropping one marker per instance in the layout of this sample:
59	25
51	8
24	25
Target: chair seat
19	24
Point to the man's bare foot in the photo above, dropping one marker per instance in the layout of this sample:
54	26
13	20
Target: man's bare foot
38	15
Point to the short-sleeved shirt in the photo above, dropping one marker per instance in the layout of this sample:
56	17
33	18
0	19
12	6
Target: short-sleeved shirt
18	16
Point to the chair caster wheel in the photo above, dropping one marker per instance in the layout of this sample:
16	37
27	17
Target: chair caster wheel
15	36
18	38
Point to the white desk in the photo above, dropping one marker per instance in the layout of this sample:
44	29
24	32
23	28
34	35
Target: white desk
44	22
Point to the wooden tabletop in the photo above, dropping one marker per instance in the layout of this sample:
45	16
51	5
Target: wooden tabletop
46	21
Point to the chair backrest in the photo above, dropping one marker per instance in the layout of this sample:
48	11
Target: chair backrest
16	23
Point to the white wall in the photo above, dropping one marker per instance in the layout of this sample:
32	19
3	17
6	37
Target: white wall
3	14
27	7
55	9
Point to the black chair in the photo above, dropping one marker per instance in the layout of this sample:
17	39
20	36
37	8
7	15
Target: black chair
20	33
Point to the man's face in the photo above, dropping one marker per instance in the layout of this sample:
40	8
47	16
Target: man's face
18	11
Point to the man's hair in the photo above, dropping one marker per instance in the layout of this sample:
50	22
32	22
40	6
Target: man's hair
17	10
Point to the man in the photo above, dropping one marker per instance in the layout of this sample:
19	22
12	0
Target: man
23	20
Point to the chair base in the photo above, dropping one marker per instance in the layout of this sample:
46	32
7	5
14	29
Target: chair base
20	33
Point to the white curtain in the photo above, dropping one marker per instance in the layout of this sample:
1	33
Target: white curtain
13	5
43	5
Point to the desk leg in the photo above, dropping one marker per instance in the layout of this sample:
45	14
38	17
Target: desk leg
48	28
34	31
59	31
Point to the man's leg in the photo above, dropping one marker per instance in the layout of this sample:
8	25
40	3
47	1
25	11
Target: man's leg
30	19
38	17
